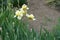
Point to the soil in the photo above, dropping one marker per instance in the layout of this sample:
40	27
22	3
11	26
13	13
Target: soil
45	16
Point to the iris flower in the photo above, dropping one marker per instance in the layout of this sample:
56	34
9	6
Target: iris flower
31	16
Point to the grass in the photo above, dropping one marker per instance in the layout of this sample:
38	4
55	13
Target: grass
57	30
54	3
15	3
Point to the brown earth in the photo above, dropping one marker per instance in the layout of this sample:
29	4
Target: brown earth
44	15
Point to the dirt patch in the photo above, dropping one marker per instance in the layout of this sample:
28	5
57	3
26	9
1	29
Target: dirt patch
44	15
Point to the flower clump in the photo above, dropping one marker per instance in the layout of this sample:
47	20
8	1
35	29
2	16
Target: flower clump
23	11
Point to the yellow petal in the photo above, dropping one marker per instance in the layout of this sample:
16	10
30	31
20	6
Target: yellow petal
17	13
31	16
24	7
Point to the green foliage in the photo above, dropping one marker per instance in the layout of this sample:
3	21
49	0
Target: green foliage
55	3
14	29
15	3
57	30
19	2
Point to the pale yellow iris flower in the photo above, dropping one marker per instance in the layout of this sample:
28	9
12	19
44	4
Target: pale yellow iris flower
23	11
24	7
18	14
31	16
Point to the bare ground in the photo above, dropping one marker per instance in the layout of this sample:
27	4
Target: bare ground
44	15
